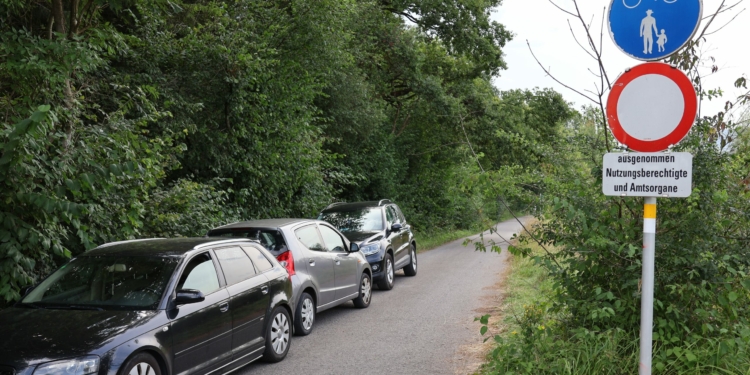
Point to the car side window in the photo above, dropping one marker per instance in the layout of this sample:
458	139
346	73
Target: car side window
200	274
236	265
309	237
333	241
401	217
261	262
390	214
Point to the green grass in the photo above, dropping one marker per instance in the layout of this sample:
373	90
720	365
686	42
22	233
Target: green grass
533	340
429	241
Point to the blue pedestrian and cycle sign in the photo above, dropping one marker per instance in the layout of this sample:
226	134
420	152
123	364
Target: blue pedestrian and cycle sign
650	30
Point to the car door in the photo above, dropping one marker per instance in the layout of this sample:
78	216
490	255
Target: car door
405	238
396	238
320	264
202	332
248	300
345	264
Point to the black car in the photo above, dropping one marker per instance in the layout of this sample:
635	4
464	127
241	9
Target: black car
382	233
152	307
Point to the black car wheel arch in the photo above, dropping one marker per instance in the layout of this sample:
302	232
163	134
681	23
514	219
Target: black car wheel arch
145	357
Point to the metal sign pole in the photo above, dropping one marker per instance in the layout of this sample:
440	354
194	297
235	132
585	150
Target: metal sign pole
647	284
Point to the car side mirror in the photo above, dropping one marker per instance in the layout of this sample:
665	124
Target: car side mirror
396	227
353	248
186	296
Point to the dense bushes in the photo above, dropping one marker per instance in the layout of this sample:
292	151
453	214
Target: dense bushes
165	118
589	324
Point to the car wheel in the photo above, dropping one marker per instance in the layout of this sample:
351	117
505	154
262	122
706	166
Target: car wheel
305	316
141	364
411	269
278	334
365	292
386	282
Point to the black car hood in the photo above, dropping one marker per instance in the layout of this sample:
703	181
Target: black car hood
360	236
30	336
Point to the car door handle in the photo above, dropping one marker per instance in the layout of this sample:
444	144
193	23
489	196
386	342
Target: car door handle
264	289
338	262
312	262
224	307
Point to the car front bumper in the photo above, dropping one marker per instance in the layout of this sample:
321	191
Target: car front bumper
376	264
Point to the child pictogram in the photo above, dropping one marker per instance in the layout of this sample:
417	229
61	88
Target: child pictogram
662	40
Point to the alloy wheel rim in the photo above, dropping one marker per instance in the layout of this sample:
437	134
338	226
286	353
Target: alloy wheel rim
142	368
279	333
366	290
389	270
308	314
414	259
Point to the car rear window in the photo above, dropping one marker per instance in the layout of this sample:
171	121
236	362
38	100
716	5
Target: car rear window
271	239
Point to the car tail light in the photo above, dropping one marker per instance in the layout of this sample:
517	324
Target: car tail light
287	261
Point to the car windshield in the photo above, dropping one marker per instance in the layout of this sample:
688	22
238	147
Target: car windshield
364	220
105	282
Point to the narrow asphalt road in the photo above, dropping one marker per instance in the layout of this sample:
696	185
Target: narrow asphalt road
415	328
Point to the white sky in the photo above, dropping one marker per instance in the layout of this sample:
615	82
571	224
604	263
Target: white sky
546	29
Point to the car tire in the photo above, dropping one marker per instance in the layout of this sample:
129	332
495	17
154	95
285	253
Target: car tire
278	335
411	269
141	364
365	292
305	315
389	273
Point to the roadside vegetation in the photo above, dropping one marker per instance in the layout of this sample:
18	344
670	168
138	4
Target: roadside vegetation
128	119
429	241
530	339
584	318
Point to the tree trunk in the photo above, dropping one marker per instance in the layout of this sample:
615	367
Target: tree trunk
73	18
59	16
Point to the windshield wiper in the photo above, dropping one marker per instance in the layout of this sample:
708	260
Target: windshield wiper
30	305
75	307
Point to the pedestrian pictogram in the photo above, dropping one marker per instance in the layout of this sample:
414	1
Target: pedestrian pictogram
651	107
653	30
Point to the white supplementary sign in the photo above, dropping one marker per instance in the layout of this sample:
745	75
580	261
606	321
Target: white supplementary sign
660	174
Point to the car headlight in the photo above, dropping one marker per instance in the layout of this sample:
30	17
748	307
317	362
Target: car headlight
74	366
370	249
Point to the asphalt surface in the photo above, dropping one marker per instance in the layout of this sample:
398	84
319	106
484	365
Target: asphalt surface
415	328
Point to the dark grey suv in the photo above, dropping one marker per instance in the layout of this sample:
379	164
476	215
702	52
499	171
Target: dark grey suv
382	233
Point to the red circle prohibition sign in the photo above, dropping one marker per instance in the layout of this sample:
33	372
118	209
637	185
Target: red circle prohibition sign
685	121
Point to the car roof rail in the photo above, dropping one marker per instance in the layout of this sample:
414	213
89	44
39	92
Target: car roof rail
221	242
334	204
127	241
384	201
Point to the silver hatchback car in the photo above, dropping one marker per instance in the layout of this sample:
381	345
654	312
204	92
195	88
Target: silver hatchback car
325	268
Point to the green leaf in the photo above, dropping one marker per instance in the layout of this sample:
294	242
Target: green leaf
732	296
484	319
